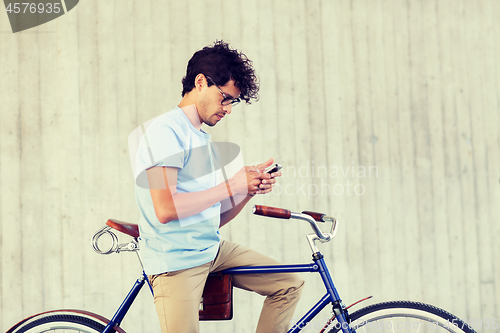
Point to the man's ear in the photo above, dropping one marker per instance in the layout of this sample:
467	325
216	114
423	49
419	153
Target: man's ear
200	81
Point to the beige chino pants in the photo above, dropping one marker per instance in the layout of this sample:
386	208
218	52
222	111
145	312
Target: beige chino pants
177	294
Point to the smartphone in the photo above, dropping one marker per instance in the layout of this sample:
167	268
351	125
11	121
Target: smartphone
273	168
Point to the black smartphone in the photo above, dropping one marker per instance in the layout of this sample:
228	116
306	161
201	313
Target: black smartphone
273	168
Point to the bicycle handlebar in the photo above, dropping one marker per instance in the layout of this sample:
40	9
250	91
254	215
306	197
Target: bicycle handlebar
278	213
317	216
310	217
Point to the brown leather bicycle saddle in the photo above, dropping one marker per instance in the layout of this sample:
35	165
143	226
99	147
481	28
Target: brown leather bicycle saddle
130	229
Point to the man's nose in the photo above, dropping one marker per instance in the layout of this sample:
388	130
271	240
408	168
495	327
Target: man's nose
227	108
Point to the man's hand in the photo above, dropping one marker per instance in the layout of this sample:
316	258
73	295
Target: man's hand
253	180
267	180
246	183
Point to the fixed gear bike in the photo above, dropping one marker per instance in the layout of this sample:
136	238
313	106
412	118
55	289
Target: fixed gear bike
396	316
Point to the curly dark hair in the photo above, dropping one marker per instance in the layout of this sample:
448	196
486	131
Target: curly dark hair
222	63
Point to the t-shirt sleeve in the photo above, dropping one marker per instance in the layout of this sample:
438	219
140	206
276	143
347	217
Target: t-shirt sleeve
166	147
159	146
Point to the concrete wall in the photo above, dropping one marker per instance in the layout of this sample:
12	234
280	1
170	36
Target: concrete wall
383	113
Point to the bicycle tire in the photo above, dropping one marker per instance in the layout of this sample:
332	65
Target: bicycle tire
71	323
402	316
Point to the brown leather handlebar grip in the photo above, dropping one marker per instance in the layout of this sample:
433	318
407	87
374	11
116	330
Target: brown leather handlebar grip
278	213
317	216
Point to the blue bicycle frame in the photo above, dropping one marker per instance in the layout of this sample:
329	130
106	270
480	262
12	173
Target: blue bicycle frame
319	266
331	296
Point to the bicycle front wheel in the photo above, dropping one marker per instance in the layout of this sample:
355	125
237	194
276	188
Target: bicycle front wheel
63	321
403	316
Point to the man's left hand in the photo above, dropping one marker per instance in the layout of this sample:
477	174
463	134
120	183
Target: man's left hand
267	180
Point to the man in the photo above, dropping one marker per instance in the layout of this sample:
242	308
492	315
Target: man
184	201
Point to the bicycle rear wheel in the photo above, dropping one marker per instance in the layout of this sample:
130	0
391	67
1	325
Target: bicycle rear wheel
403	316
63	321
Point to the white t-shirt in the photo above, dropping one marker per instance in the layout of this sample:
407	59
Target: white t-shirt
171	140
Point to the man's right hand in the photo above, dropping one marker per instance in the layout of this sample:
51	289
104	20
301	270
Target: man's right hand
251	181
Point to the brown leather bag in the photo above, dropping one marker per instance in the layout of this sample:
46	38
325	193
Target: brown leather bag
217	298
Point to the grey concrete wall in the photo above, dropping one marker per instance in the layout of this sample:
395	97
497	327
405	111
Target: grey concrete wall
384	114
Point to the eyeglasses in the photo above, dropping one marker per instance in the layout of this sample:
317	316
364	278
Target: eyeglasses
227	99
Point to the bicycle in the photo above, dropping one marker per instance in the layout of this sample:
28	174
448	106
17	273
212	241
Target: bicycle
396	316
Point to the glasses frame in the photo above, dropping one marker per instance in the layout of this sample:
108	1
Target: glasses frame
226	100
